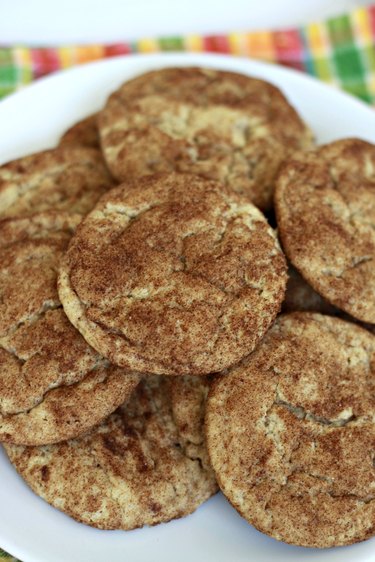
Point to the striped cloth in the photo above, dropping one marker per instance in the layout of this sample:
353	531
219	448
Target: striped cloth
340	51
6	557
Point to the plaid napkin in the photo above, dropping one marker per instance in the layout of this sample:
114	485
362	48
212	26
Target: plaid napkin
6	557
340	51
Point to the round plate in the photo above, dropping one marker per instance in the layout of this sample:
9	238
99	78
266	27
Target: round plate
30	529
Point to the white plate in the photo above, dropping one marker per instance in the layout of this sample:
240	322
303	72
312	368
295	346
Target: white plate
30	529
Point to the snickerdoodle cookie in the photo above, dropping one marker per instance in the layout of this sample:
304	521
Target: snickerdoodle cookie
67	178
221	125
83	133
53	386
325	207
147	463
291	432
175	274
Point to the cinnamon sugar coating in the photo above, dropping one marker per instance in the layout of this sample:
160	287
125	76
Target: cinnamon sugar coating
221	125
146	464
83	133
291	433
52	384
325	207
67	178
173	275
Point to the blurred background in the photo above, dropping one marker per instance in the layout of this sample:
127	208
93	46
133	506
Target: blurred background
42	22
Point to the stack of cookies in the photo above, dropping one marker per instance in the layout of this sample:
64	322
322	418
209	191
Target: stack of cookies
143	360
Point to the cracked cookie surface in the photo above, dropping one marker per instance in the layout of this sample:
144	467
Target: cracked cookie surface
325	207
83	133
291	432
52	384
221	125
67	178
146	464
173	275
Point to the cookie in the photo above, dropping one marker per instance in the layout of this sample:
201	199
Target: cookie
146	464
299	296
83	133
221	125
69	178
173	275
325	207
53	386
291	433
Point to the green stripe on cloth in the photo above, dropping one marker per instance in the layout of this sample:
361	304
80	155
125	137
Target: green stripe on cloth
8	72
369	56
171	43
6	57
346	57
5	556
323	69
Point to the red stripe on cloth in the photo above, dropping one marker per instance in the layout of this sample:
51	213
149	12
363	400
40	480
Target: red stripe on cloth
371	12
216	44
44	61
117	49
289	48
